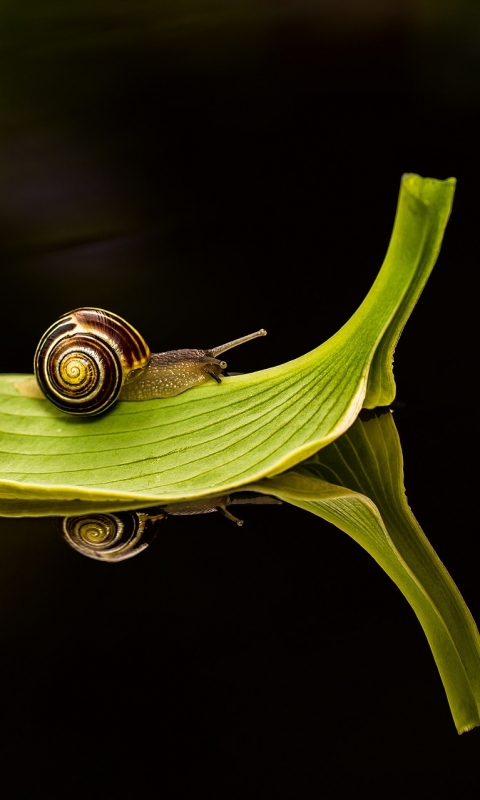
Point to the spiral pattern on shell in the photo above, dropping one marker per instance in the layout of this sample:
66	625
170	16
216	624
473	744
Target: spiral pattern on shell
83	360
110	537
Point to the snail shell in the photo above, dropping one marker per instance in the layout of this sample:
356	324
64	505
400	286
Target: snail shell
84	359
111	537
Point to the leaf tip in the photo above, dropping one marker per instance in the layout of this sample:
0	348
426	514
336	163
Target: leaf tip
468	727
424	189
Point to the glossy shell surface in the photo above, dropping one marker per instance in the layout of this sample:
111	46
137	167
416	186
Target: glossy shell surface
83	360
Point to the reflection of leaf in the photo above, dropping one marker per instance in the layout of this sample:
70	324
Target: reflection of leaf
214	438
357	484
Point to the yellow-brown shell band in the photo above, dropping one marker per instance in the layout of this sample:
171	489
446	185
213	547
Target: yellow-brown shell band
131	348
79	375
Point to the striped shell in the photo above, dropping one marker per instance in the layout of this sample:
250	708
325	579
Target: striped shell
111	537
84	359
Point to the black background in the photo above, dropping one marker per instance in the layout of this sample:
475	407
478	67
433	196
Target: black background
205	170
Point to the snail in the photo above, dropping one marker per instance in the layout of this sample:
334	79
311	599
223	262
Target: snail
111	537
90	357
117	536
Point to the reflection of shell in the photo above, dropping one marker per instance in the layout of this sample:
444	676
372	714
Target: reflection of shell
111	537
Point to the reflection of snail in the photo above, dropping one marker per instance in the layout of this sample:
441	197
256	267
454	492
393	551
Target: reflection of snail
90	357
123	534
111	537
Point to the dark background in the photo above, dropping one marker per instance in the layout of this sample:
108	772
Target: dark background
205	169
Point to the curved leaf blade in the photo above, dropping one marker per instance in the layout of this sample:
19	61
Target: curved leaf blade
431	210
213	439
357	484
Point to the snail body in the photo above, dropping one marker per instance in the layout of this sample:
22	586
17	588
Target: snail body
90	358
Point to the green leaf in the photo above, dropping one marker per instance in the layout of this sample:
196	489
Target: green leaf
423	200
212	438
357	484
